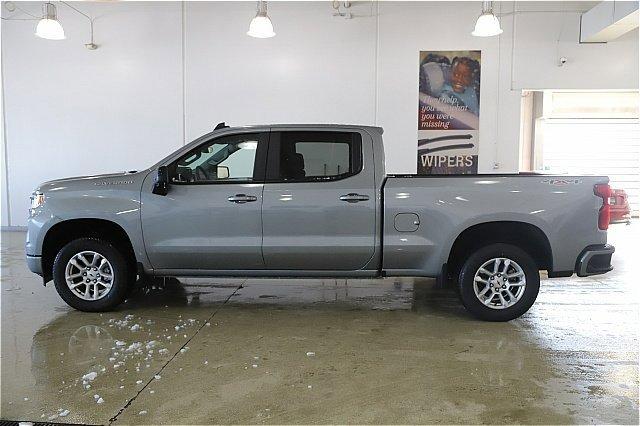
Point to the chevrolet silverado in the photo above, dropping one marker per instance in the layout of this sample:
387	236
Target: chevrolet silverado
314	201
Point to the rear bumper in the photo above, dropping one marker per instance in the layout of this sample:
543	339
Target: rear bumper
35	264
595	260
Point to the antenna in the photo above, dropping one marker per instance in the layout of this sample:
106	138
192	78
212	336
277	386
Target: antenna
221	125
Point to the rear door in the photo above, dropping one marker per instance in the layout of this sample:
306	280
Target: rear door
318	210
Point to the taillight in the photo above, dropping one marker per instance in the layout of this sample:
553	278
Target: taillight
603	190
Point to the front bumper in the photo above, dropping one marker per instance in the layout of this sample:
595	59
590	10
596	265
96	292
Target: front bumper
595	260
35	264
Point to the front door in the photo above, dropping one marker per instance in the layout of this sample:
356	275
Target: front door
319	205
211	217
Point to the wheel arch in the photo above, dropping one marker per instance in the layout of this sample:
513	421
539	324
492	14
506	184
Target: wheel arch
66	231
524	235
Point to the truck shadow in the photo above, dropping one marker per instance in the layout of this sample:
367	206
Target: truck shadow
418	295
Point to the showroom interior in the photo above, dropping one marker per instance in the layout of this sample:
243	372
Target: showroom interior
97	87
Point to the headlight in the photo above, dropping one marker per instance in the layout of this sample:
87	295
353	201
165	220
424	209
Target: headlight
37	199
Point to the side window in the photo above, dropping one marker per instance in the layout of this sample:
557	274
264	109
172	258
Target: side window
309	156
225	159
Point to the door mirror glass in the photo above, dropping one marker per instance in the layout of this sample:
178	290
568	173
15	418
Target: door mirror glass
222	172
161	181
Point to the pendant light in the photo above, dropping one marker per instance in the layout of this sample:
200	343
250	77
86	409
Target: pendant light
487	24
261	26
49	27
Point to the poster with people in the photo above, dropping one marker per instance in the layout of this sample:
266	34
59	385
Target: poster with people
448	112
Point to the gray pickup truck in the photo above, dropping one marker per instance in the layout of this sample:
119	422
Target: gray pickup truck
314	201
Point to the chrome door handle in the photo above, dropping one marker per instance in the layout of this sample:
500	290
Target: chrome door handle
242	198
353	197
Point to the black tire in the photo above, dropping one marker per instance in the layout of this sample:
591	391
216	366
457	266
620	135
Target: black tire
121	275
476	260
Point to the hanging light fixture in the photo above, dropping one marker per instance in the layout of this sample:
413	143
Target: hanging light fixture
49	27
487	24
261	26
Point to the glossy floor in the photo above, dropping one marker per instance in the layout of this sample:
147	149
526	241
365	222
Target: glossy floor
321	351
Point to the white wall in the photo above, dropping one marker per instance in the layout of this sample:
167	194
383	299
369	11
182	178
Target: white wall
168	72
4	210
318	69
407	28
541	38
70	111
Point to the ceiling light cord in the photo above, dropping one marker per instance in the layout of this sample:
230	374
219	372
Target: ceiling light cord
91	45
261	8
48	25
19	19
487	7
12	7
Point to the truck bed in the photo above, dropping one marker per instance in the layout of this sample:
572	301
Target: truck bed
564	208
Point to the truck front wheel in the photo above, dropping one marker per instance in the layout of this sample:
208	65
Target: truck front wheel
498	282
91	275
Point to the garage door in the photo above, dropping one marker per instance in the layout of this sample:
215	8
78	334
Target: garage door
595	146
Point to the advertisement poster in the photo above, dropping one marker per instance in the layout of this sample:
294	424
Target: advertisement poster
448	112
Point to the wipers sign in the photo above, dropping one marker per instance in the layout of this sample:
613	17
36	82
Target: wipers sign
448	112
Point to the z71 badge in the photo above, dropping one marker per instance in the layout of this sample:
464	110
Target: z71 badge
562	182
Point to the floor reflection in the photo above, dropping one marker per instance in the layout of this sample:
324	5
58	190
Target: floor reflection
361	334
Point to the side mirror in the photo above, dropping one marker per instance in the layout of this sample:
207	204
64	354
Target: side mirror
161	181
222	172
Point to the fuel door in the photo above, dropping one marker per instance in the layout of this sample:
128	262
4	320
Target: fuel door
406	222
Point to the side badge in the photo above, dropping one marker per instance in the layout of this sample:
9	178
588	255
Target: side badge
561	182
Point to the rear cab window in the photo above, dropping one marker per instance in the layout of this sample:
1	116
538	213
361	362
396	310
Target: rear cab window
304	156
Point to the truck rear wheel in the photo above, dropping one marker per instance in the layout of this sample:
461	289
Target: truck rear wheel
91	275
498	282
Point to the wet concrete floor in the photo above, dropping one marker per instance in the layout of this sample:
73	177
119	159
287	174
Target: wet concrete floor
321	351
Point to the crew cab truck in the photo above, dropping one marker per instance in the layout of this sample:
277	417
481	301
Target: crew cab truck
314	201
